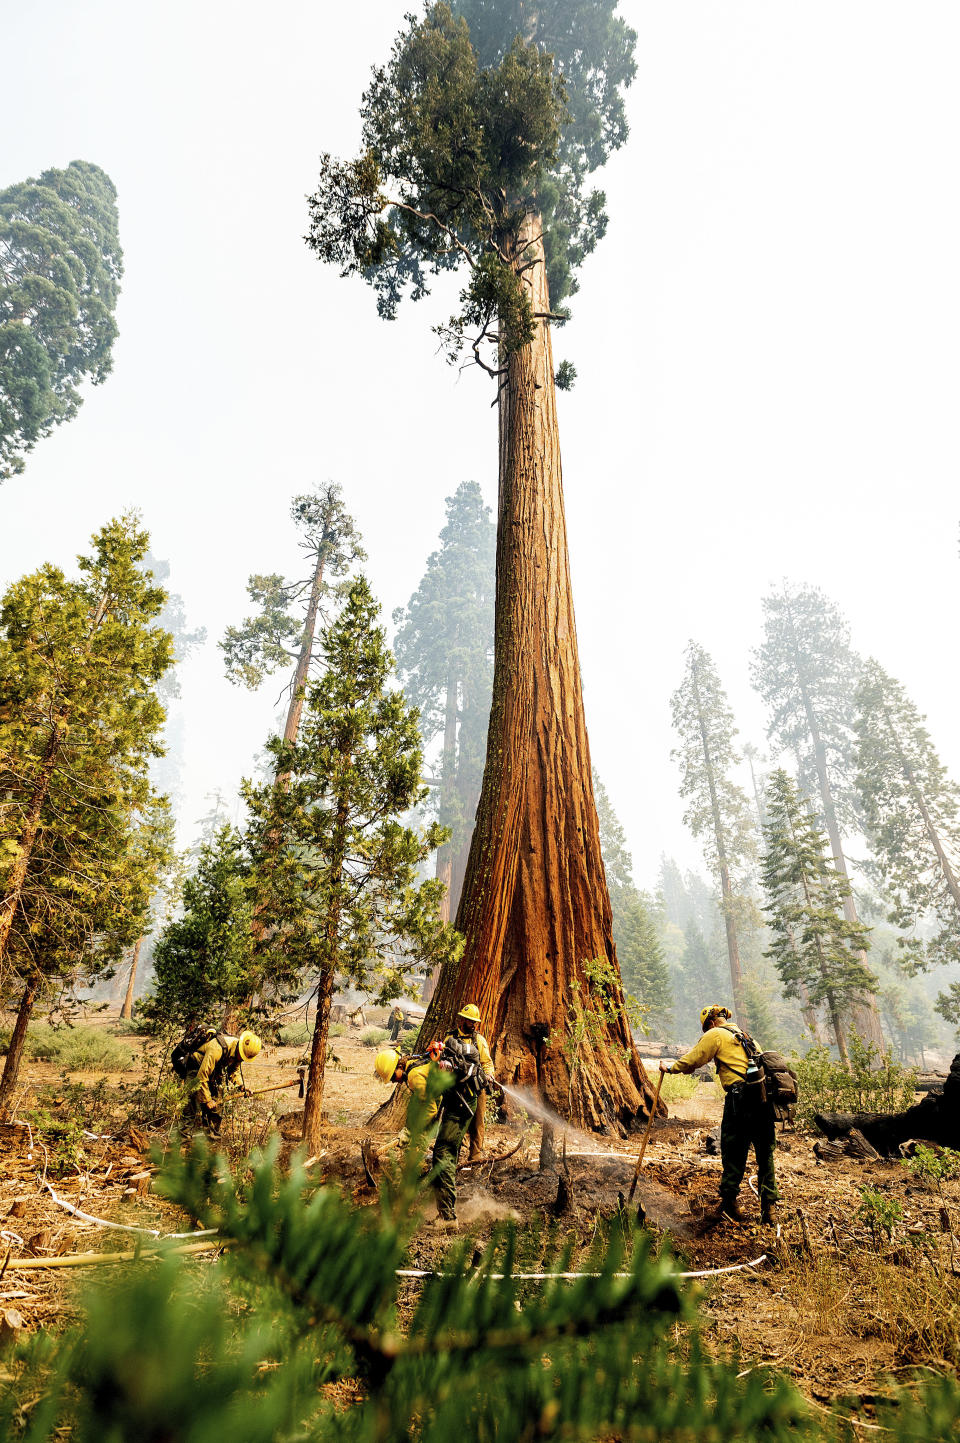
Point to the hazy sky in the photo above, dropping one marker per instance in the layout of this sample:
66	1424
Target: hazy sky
766	344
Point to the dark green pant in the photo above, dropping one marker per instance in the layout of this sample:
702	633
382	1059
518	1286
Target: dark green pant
446	1149
746	1122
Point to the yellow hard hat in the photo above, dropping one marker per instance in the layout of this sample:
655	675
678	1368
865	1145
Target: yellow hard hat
385	1064
717	1010
471	1012
248	1045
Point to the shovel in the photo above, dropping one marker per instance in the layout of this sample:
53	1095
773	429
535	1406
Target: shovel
295	1082
646	1138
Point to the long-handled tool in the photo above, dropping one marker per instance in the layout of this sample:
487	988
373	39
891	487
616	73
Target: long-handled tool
295	1082
646	1138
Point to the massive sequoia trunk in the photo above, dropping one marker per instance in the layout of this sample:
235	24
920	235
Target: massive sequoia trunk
534	906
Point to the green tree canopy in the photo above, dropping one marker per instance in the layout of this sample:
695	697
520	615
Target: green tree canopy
911	810
335	868
816	950
81	659
806	672
643	967
483	115
60	268
203	960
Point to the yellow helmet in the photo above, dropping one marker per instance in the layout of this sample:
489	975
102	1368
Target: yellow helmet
471	1012
385	1064
715	1011
248	1045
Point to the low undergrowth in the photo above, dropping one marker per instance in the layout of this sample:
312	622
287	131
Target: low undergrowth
874	1083
75	1049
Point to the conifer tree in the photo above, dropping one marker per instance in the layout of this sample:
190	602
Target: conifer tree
334	867
60	268
475	154
283	629
80	660
814	945
203	962
807	673
642	965
718	813
444	651
911	810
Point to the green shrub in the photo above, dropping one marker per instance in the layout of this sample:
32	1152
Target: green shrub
374	1036
879	1213
678	1085
875	1083
75	1049
295	1034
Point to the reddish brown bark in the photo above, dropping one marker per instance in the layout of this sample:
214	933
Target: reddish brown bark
535	906
312	1108
11	1067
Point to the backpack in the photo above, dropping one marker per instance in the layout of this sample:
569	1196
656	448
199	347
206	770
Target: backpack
781	1088
191	1042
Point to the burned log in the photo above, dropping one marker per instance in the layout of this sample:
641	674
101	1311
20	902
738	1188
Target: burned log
935	1119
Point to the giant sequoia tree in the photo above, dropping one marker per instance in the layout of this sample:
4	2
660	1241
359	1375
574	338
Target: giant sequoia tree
478	138
60	268
807	674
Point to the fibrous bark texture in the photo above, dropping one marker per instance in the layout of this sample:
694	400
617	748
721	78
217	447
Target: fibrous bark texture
534	906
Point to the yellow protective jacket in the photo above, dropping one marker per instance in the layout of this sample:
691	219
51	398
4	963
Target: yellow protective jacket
480	1043
217	1066
415	1075
722	1047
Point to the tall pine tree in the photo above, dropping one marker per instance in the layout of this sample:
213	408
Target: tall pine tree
718	813
476	148
911	811
334	867
642	964
816	949
807	673
444	651
282	632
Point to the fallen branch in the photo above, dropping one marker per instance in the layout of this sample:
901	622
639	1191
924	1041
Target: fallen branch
83	1260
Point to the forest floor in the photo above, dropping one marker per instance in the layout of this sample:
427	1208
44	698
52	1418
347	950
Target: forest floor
835	1300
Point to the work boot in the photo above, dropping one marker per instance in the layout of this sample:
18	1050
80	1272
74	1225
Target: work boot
474	1158
769	1214
729	1208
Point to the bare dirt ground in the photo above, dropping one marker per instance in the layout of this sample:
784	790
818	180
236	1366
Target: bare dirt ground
827	1301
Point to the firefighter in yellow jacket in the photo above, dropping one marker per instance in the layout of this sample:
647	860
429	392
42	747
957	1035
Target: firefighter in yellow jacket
467	1029
746	1118
214	1065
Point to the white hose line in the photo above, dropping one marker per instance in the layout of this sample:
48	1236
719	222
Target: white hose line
539	1277
125	1227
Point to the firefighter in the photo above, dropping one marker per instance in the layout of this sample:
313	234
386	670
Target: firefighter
467	1029
747	1116
213	1065
455	1105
